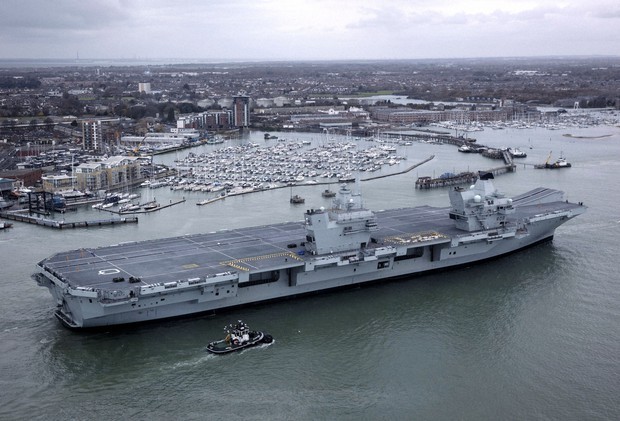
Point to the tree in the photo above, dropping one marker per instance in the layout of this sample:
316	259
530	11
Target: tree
49	124
170	115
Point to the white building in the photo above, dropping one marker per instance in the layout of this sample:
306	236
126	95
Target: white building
144	87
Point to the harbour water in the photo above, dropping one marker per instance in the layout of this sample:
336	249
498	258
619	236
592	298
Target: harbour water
535	335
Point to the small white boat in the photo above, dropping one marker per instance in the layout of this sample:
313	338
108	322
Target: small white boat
517	153
150	205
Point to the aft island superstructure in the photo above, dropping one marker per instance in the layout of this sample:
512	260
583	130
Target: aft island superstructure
344	245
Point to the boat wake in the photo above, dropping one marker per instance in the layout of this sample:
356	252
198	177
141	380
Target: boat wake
262	345
194	362
10	329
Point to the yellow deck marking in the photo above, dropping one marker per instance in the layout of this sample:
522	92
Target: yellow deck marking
190	266
237	263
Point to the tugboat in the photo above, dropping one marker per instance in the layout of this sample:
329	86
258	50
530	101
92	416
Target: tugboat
328	193
238	337
560	163
297	199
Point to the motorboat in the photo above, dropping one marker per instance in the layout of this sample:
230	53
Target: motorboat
150	205
238	337
517	153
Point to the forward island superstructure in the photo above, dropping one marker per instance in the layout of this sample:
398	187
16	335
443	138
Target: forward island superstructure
344	245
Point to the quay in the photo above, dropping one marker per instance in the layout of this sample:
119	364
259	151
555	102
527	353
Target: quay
429	136
406	170
431	183
145	210
425	183
52	223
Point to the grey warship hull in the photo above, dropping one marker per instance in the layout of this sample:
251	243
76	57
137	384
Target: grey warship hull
186	275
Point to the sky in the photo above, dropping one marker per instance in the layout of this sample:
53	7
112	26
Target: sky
306	30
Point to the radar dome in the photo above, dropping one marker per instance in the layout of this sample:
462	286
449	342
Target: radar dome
477	198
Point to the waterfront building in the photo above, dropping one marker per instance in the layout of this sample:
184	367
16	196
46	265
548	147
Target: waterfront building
208	120
92	135
23	177
54	183
407	116
114	173
97	134
241	111
155	140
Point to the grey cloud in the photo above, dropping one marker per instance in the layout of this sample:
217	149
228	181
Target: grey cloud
65	14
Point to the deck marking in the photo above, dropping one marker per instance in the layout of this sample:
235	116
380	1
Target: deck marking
237	263
190	266
109	271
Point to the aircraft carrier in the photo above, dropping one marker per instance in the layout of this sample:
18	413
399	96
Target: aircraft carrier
344	245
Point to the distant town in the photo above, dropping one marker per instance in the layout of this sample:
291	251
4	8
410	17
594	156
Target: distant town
89	127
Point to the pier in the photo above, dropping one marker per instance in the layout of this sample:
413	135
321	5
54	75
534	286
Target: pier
145	210
468	177
425	183
429	136
406	170
52	223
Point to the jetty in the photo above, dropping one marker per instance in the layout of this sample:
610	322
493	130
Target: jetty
445	180
406	170
144	210
52	223
429	136
467	177
207	201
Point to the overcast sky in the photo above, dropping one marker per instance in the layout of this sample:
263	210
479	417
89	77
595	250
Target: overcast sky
312	29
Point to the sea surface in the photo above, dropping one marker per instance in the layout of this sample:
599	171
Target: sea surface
535	335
